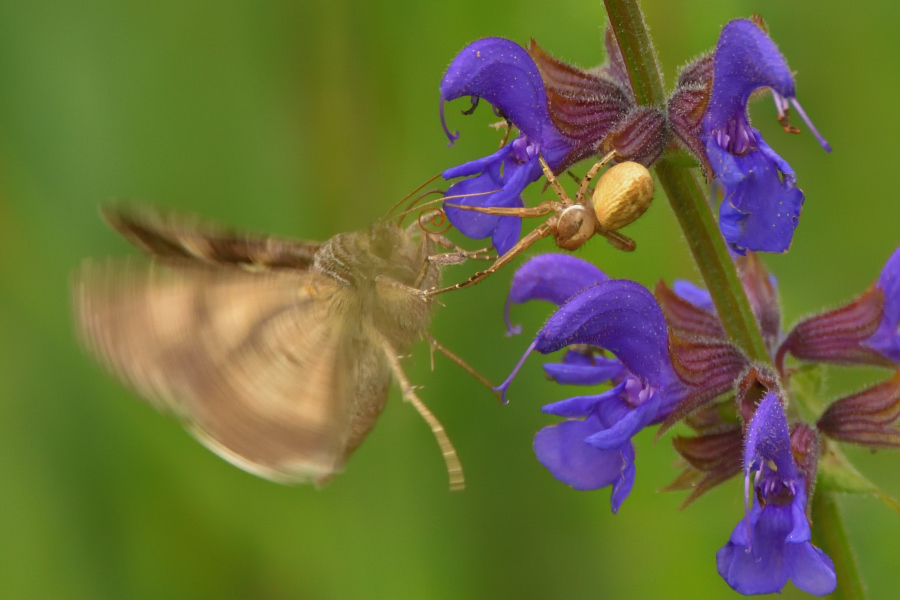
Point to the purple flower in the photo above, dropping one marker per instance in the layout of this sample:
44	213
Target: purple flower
762	202
863	331
592	448
886	339
501	72
772	543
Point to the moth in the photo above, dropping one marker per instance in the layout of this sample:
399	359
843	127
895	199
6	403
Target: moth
276	354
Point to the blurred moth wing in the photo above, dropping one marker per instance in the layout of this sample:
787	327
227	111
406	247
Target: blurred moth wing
275	354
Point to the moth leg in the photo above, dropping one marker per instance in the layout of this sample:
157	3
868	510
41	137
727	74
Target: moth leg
541	232
480	254
454	467
444	259
435	345
592	172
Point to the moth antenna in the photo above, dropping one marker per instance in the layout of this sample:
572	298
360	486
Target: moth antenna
409	195
432	202
436	218
420	207
415	201
435	345
454	467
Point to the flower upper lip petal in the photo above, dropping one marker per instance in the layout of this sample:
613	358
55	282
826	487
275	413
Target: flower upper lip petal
619	315
501	72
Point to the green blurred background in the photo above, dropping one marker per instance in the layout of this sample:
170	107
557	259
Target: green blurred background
312	118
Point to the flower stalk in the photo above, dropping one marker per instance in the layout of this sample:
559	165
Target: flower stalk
686	194
685	191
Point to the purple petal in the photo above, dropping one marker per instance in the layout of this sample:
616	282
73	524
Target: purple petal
765	564
602	369
582	406
561	449
476	167
762	204
554	278
623	486
501	72
886	340
626	427
746	59
757	568
504	230
810	569
618	315
506	235
697	296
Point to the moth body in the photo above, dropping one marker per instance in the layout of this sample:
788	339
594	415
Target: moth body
276	354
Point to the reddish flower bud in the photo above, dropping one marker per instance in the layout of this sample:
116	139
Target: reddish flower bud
712	459
687	106
685	318
806	445
709	367
868	418
758	381
641	136
838	336
763	296
584	106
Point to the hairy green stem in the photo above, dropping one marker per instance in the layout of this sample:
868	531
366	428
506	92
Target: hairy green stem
687	196
829	534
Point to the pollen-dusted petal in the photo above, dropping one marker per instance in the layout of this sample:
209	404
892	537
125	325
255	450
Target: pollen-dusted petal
554	278
561	449
868	418
618	315
501	72
838	336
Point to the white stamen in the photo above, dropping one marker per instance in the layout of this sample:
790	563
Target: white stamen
822	141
